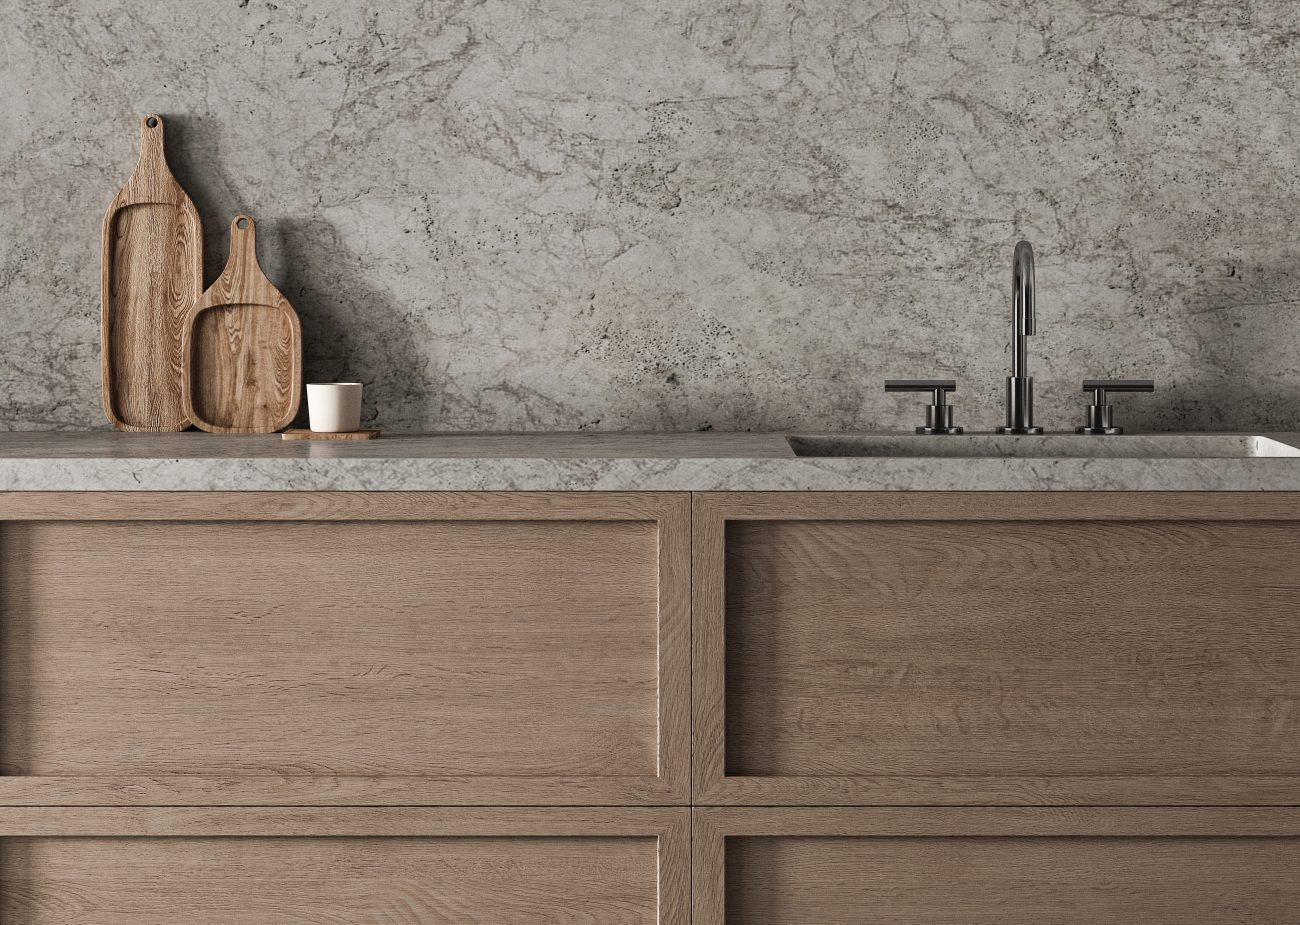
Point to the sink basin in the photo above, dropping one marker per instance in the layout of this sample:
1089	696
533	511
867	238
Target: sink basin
1047	446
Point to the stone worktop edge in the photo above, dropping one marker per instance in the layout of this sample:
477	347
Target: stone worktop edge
109	461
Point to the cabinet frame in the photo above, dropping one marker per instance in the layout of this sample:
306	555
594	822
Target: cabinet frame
712	511
669	786
669	826
712	826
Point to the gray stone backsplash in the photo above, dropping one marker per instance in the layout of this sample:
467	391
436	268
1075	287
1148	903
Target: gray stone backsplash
678	215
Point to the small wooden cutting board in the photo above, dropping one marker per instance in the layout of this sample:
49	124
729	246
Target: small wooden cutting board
242	350
152	274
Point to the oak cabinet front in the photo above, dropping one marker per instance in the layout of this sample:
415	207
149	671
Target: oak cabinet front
477	708
951	866
346	866
356	649
997	649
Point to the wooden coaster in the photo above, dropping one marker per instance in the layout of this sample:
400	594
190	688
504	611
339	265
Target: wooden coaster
302	433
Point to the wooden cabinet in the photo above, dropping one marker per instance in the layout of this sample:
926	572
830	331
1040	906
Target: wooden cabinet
477	708
997	649
247	866
355	649
846	866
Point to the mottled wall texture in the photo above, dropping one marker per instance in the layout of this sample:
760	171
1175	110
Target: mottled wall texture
680	215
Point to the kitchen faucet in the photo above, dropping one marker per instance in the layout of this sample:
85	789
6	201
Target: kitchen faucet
1020	385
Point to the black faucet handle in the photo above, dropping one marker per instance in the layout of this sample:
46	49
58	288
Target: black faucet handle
938	414
1119	385
938	386
1100	419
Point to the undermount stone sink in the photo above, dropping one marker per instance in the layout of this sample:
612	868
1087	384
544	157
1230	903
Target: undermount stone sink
1047	446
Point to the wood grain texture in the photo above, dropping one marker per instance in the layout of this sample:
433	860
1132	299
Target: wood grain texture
1110	660
533	648
714	822
1042	881
997	505
152	274
242	348
494	651
392	865
1037	867
260	881
347	505
342	821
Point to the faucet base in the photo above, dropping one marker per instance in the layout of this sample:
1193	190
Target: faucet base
1020	407
1019	430
1099	431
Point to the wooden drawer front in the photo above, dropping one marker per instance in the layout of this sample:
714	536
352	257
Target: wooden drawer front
427	649
998	649
760	867
406	867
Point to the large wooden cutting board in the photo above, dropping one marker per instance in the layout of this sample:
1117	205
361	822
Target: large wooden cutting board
152	275
242	348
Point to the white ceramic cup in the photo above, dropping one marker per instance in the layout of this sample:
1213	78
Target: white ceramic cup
334	407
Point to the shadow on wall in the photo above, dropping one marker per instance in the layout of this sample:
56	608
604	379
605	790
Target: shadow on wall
1243	371
1217	405
306	260
369	330
193	154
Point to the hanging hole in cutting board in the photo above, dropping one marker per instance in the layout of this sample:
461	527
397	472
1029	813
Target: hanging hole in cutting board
152	121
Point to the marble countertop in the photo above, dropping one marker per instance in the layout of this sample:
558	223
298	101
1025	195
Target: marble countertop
194	461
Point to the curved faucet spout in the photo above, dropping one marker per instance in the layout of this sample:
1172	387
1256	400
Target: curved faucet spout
1023	316
1020	385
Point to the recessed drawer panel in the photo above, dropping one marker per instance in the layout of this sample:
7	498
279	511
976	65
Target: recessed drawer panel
998	649
924	867
245	867
459	649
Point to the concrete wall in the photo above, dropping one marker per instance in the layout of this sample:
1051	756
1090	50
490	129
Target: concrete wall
680	214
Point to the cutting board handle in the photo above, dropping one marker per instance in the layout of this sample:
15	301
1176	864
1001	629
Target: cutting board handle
243	236
243	246
152	180
152	153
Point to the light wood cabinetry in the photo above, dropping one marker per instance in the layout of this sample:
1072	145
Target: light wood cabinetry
997	649
477	708
244	866
846	866
464	649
